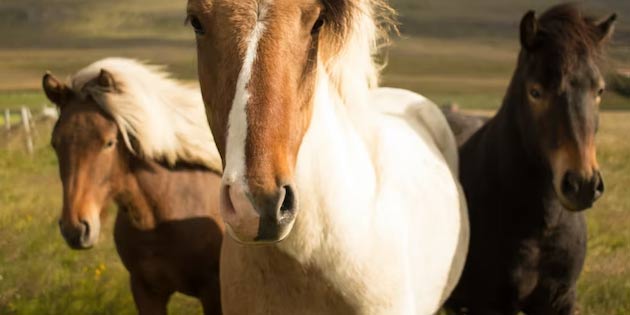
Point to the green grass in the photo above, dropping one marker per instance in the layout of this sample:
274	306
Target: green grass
39	274
15	99
620	84
452	51
605	284
473	73
14	119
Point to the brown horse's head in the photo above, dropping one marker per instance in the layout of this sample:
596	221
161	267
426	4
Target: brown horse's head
259	64
560	85
85	140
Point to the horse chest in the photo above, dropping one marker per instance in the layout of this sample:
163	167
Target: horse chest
549	262
170	258
263	280
519	250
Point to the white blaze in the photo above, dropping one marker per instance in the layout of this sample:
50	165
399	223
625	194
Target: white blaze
237	119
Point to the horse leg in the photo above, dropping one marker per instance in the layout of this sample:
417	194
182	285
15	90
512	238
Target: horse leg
149	301
565	305
211	300
562	305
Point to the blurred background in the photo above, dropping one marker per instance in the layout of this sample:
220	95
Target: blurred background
453	51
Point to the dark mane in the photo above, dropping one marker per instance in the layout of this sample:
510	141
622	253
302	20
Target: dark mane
566	31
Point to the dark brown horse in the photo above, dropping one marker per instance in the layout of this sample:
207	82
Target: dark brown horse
168	232
532	168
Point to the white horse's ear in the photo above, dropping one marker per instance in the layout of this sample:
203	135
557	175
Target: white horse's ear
606	27
56	92
529	30
106	79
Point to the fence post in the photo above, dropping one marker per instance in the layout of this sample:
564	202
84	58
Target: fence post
32	121
7	119
27	129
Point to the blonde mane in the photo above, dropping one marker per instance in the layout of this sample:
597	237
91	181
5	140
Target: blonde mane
352	39
158	117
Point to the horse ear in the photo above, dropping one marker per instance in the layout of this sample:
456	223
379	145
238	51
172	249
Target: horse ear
57	92
529	30
606	28
106	79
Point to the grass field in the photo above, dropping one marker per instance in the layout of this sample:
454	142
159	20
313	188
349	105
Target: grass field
14	119
451	51
40	275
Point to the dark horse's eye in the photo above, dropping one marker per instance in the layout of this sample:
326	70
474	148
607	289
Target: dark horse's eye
600	92
109	144
535	93
317	26
196	24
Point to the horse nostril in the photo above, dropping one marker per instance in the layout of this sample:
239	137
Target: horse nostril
599	185
288	204
570	184
85	231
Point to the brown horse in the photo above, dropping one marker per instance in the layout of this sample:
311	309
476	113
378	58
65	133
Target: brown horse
113	139
531	170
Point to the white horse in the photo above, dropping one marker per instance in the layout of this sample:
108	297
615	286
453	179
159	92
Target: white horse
352	190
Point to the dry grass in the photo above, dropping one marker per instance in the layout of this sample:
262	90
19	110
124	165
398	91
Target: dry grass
466	55
605	283
40	275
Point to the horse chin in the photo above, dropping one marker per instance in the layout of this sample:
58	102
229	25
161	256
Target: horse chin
570	206
239	238
76	246
261	238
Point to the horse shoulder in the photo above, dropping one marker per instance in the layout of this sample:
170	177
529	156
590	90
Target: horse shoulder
440	225
426	114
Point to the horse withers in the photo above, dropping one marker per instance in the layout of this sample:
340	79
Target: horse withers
463	125
531	170
129	134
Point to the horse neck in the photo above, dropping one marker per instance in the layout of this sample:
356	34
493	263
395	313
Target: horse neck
334	173
152	194
508	160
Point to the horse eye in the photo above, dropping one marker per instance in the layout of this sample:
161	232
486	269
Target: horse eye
109	144
600	92
196	24
535	93
317	26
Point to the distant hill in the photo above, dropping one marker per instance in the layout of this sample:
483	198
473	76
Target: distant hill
450	50
490	18
71	23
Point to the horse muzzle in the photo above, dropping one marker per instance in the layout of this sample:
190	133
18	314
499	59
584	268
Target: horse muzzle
579	193
258	218
81	235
